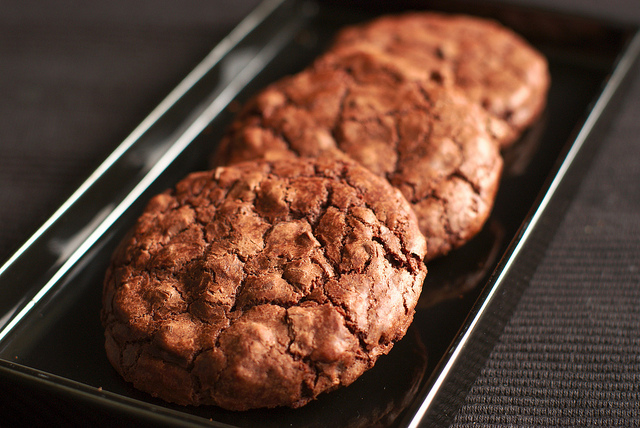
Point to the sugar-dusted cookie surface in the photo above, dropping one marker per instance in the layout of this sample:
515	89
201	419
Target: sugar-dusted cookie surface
263	284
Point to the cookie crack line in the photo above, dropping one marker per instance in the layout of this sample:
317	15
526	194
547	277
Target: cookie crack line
393	260
350	324
308	393
138	352
474	187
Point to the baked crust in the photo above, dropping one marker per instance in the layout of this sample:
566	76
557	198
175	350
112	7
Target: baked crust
492	65
430	142
263	284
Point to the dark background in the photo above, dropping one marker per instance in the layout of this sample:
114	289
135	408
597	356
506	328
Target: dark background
77	77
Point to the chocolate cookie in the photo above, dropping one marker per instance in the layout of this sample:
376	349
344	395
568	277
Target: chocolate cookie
263	284
428	141
490	64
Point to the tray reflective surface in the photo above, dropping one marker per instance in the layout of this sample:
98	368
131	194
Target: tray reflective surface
50	333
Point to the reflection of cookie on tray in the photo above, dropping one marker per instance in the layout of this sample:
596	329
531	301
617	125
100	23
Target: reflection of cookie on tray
464	270
494	67
378	398
263	284
429	142
388	389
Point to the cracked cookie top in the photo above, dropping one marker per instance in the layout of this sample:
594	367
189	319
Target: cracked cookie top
494	67
430	142
263	284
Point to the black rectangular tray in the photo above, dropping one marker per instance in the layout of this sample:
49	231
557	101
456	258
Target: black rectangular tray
51	341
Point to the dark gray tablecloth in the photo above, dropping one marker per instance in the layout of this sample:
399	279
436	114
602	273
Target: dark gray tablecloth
76	77
570	353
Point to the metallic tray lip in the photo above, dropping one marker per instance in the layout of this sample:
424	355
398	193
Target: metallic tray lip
196	125
621	69
225	45
116	402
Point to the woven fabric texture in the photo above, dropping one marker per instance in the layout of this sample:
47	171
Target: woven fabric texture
570	354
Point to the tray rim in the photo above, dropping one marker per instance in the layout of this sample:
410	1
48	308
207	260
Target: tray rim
621	67
8	321
625	63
